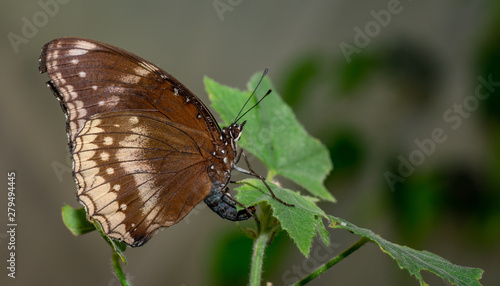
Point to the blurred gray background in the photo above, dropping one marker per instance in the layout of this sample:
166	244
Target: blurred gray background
393	87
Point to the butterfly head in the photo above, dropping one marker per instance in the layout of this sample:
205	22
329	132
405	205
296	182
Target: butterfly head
233	134
234	131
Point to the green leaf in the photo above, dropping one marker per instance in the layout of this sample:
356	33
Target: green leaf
76	220
302	222
415	261
274	135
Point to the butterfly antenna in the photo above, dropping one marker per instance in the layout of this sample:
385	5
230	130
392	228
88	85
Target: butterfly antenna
268	92
238	117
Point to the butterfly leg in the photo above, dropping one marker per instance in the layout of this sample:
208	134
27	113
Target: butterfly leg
250	210
223	204
251	172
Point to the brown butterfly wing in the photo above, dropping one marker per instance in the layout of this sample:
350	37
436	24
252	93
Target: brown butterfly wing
91	78
142	143
123	176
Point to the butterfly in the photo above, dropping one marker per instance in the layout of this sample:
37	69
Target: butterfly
145	149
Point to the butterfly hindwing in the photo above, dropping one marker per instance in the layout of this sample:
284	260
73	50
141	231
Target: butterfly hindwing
123	179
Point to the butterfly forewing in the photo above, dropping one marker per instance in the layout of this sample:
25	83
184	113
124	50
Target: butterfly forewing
92	78
142	143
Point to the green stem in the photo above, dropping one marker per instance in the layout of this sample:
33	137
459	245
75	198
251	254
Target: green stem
270	175
118	269
259	247
268	225
332	262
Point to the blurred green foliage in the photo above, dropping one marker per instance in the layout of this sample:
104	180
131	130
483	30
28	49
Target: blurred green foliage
349	76
453	195
229	258
488	62
347	152
460	193
302	75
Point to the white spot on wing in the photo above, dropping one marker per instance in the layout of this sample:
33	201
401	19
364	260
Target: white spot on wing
52	65
134	120
141	71
82	74
104	156
113	101
108	141
130	78
58	78
77	52
116	89
71	93
53	55
85	45
139	130
76	109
